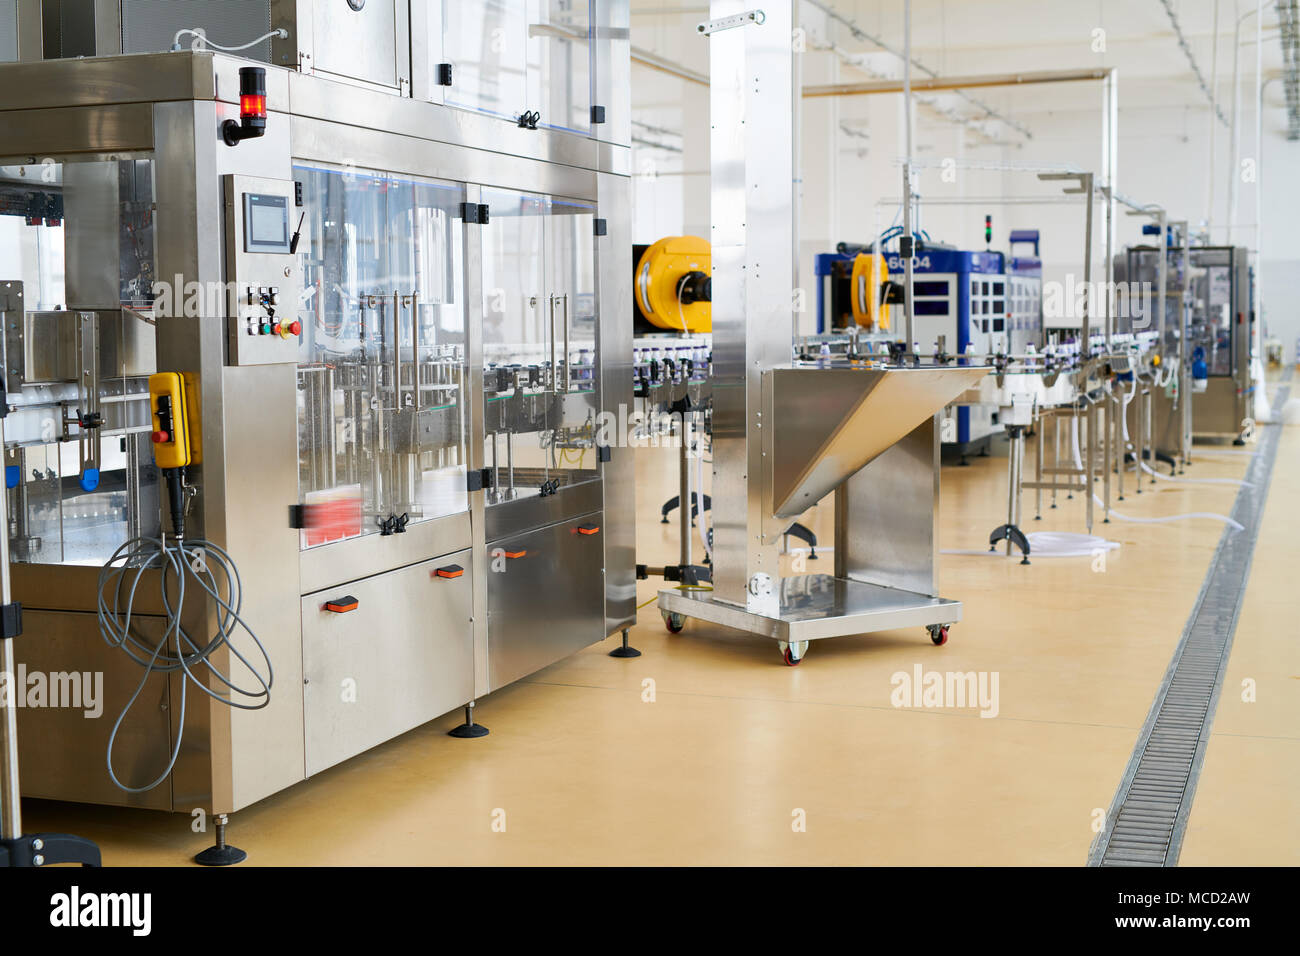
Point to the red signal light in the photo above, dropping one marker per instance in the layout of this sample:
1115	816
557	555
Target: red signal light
252	106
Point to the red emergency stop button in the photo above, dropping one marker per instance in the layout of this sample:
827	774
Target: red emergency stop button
160	437
295	327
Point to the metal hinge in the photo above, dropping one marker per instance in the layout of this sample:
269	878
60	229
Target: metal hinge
601	227
603	452
478	480
474	213
709	27
297	517
443	76
597	115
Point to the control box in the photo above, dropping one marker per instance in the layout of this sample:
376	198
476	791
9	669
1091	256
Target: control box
263	277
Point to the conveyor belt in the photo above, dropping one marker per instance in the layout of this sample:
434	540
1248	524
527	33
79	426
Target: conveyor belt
1148	817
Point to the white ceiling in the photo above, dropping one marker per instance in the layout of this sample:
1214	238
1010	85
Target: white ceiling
963	37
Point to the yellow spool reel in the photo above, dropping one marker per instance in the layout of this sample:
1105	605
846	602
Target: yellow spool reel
658	274
869	271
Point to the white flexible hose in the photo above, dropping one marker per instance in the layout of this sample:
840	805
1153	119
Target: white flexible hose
205	42
1151	471
1078	463
699	503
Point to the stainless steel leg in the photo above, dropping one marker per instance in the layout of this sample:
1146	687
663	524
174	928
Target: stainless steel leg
1039	441
684	493
1056	452
1089	462
1106	430
1013	480
1120	448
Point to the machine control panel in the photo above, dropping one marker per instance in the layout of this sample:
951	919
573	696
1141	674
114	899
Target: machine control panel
262	271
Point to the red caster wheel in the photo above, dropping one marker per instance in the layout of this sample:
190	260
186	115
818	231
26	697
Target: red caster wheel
792	653
939	634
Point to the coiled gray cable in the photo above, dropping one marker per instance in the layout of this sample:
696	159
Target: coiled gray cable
177	561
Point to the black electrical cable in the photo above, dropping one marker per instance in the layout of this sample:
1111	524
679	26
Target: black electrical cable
176	561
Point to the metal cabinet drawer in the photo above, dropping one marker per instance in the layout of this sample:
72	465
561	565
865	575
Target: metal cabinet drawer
395	652
546	597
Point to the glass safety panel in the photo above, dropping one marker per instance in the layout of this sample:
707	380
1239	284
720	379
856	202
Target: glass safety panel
511	57
540	382
78	294
571	265
486	42
381	413
1137	307
560	63
1210	311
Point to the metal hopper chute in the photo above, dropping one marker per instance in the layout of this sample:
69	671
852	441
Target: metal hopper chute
829	423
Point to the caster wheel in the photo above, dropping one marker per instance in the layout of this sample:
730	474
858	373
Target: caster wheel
939	633
792	653
674	622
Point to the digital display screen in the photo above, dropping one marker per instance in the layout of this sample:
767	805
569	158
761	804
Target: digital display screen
266	223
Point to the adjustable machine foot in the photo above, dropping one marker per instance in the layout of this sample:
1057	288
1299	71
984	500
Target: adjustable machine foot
1009	532
625	650
221	853
469	729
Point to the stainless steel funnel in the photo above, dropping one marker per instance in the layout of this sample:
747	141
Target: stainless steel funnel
825	424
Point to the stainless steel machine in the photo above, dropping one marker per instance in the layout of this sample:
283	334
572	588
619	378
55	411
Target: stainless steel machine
395	317
787	434
1210	305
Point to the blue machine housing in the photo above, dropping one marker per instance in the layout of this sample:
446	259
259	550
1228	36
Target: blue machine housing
974	300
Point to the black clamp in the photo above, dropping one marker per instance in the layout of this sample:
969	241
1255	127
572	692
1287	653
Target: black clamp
548	488
688	574
394	524
681	406
529	119
44	849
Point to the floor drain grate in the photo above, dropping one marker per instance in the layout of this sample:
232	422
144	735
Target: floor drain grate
1147	819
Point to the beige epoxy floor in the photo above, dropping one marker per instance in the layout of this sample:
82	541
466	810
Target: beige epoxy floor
589	771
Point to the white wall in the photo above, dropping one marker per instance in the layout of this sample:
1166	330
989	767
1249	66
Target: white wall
848	181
